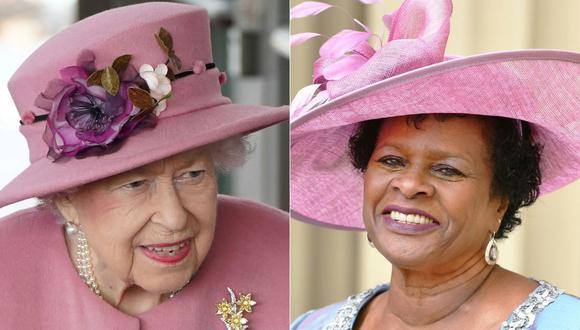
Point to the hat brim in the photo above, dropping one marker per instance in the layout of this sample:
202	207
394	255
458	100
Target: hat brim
170	136
541	87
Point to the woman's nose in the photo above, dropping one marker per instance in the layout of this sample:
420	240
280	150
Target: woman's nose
170	211
412	184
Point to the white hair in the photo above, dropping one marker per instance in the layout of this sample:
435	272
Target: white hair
230	153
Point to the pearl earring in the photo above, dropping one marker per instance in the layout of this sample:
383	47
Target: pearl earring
83	262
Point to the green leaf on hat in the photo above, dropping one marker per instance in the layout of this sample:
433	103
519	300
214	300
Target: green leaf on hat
141	98
121	63
110	80
165	40
95	78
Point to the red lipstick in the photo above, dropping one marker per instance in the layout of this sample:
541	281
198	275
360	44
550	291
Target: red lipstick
168	253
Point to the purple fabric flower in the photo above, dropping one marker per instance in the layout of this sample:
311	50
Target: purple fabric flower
82	116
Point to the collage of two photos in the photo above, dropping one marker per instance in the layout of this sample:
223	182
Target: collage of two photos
253	164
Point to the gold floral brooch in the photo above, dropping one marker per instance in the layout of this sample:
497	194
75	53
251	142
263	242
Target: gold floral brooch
232	313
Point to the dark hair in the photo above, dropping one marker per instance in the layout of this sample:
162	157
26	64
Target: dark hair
514	155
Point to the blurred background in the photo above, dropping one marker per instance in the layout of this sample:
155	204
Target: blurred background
250	42
329	265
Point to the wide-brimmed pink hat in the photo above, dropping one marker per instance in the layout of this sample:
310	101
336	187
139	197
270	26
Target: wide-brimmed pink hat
410	75
121	89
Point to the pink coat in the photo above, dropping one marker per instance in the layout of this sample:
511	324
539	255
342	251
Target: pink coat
40	288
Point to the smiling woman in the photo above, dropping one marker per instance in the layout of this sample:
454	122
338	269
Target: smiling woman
431	206
171	205
131	232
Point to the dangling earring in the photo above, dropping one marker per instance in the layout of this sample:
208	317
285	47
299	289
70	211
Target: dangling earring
83	258
370	242
491	251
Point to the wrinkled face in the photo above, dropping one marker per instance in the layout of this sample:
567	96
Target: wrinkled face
427	193
152	226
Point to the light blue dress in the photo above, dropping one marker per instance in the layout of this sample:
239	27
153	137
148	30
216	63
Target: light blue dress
547	307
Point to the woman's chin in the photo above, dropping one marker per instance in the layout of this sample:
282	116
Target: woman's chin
405	253
162	277
408	263
164	283
402	248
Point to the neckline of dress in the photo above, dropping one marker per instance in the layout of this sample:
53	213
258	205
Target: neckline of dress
523	316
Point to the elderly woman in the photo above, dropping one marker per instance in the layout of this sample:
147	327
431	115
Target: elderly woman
446	152
127	129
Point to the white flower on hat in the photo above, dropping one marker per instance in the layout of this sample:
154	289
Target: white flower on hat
159	84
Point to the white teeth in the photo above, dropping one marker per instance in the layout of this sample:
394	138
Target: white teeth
410	218
168	250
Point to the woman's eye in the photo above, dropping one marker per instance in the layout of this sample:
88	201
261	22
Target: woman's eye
448	171
134	184
392	161
191	176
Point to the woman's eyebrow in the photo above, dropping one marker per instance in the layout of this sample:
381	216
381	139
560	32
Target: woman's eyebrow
444	154
432	151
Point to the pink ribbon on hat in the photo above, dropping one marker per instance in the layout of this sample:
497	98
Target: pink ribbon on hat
418	35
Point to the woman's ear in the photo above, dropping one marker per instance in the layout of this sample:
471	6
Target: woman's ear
65	206
503	204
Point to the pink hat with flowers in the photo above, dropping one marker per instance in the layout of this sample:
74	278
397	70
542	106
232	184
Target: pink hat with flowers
410	74
119	90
